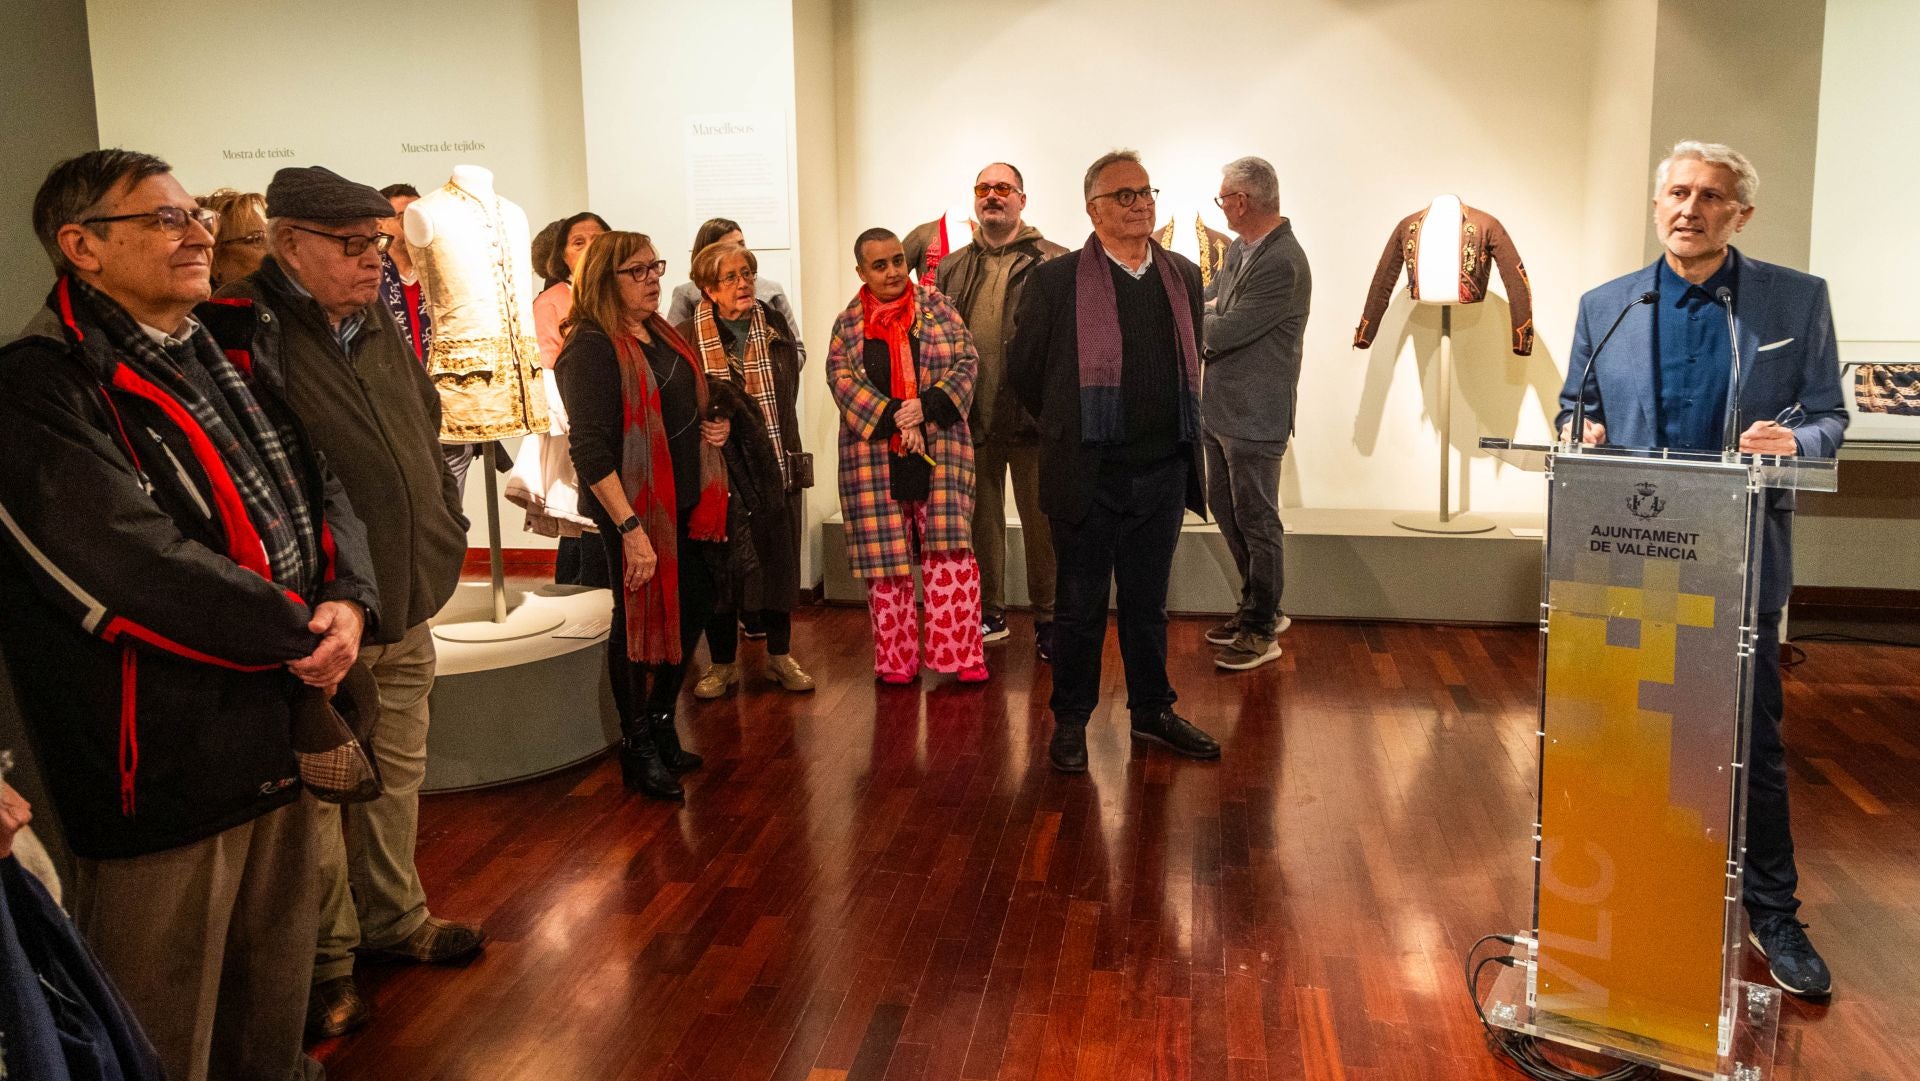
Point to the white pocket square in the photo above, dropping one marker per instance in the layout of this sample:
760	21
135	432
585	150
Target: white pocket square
1775	345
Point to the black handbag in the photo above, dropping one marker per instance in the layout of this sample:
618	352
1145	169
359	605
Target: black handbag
333	738
800	468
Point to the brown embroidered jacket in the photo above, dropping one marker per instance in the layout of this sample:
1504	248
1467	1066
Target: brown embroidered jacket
1485	242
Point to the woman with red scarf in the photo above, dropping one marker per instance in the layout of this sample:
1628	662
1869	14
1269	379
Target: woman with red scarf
901	368
657	491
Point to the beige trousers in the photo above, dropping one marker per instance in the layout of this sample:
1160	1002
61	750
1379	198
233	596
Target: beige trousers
370	893
211	943
992	460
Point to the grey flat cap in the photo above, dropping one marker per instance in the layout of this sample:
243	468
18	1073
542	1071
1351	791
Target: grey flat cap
316	193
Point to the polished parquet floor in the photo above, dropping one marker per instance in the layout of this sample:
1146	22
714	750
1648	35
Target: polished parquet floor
890	883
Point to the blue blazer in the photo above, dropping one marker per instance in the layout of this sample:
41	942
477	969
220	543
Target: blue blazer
1788	354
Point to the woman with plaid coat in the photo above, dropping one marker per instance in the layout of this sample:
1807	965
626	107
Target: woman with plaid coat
901	369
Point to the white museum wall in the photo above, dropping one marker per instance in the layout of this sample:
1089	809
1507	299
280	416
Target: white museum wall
498	87
1366	113
645	71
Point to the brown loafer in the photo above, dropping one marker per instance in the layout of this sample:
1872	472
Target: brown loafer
434	942
335	1008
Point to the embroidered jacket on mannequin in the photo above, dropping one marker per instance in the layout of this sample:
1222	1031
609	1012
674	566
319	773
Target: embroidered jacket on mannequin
479	287
1483	242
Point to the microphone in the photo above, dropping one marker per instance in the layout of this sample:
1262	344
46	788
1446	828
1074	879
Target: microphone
1576	435
1730	427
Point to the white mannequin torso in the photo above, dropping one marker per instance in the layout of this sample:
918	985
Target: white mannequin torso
472	179
1438	272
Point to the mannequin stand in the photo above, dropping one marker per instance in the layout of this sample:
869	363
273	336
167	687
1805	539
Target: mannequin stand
1446	521
523	622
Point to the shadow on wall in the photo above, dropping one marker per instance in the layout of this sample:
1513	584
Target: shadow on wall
1490	383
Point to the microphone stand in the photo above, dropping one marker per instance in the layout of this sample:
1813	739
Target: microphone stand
1730	427
1577	424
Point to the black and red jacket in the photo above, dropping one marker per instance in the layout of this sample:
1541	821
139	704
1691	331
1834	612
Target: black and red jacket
146	646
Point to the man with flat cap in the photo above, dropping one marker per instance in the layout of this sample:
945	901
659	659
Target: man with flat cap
312	314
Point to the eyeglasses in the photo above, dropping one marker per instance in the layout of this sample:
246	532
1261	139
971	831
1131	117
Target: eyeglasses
1002	189
251	240
356	244
171	219
737	277
1128	196
1220	200
642	271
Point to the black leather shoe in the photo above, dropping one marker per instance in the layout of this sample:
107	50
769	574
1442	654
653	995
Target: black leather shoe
667	740
335	1008
1172	730
640	767
1068	750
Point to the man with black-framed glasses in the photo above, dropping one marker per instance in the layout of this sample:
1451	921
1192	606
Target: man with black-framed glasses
1106	355
312	314
175	560
984	281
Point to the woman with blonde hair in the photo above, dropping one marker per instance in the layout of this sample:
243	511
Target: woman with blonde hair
240	239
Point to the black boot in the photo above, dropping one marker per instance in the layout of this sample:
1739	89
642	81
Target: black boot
640	767
676	758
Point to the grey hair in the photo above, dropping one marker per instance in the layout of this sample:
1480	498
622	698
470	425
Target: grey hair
276	228
1746	181
1111	157
1257	178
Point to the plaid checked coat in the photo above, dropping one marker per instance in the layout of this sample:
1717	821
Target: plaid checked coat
877	541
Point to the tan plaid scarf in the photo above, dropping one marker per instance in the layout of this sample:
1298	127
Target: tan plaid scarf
756	369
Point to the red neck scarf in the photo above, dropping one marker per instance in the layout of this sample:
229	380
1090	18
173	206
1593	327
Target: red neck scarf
891	321
646	474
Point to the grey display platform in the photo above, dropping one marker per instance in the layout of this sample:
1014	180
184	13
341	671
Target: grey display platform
1340	564
510	710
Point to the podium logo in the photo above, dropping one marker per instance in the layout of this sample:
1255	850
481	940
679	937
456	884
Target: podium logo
1645	502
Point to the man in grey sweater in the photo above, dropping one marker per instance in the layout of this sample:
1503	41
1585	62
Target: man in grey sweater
1255	320
984	280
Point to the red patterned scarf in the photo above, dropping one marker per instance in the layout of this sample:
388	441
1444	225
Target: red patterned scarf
891	321
646	474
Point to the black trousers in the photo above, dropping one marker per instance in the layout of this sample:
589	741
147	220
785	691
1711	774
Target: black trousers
1125	541
723	633
1771	880
581	561
641	689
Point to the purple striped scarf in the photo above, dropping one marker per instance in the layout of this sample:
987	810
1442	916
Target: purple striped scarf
1097	318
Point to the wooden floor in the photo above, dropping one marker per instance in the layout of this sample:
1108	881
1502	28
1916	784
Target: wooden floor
874	882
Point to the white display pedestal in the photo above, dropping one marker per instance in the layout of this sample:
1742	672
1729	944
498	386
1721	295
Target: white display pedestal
509	709
500	625
1446	521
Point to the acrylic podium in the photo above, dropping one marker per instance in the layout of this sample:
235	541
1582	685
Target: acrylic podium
1647	632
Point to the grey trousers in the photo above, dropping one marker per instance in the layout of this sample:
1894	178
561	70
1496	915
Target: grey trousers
370	893
1243	492
992	460
212	944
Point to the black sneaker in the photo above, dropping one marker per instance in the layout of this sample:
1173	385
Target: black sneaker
1795	965
1043	641
1068	748
993	628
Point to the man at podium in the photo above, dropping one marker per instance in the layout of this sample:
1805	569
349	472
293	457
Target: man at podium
1663	381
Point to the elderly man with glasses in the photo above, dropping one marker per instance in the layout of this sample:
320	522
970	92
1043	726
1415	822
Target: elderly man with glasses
312	314
174	561
1106	356
984	281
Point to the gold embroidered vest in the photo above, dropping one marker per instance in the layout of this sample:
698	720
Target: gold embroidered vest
479	285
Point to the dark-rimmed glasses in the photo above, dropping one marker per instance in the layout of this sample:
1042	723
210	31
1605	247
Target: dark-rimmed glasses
1126	197
1220	200
171	219
735	277
1002	189
353	244
640	272
251	240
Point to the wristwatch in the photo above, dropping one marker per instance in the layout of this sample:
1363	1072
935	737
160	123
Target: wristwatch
632	523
